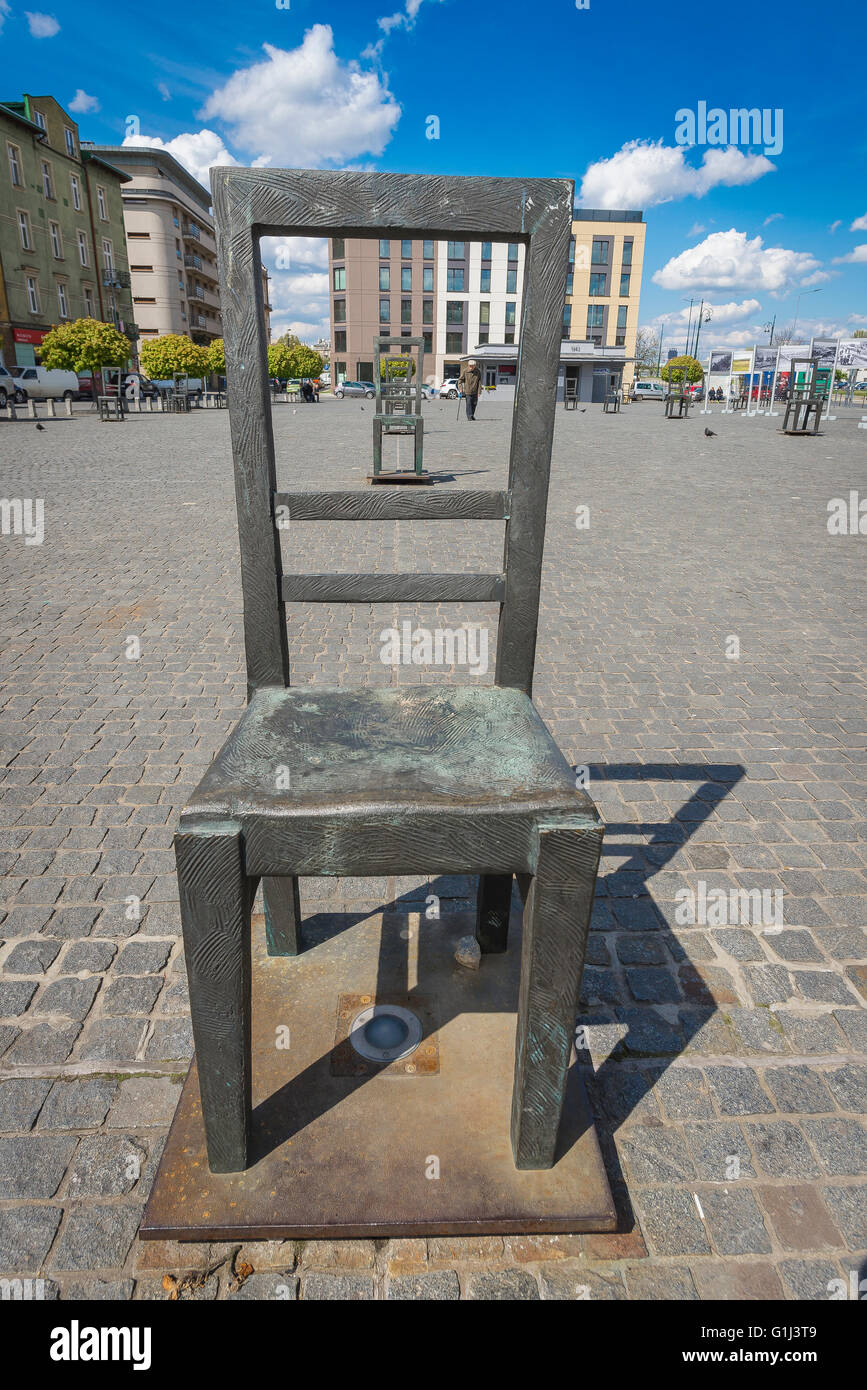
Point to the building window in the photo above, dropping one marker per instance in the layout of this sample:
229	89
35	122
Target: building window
70	141
107	255
62	301
598	283
88	302
624	283
338	247
567	321
485	280
428	250
406	277
384	277
340	340
56	243
82	247
513	250
510	315
100	203
484	313
627	252
340	311
511	282
595	322
178	249
15	165
406	250
427	311
33	294
486	250
143	299
428	341
600	251
24	232
39	119
384	248
454	342
384	311
622	315
339	277
47	181
76	192
509	335
138	236
427	281
406	311
456	250
484	336
570	275
571	250
454	311
455	279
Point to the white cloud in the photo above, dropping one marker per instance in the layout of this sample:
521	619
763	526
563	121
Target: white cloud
643	174
82	103
774	217
42	26
859	225
198	151
834	225
295	253
858	256
722	313
4	12
696	229
729	260
306	107
164	91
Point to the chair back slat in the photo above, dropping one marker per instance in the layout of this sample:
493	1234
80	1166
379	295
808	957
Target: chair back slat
393	588
381	505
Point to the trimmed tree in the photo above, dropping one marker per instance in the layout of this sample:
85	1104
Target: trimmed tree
675	369
305	361
216	352
280	360
85	345
398	369
173	352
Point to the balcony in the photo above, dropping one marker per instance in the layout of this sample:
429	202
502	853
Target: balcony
198	321
114	279
195	292
192	262
191	232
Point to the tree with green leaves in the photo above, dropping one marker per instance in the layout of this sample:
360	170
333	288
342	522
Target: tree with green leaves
280	360
85	345
306	361
675	369
174	352
216	352
397	370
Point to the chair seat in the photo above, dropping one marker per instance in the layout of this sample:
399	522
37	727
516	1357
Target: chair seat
439	766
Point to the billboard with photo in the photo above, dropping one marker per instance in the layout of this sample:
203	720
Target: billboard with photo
852	354
765	359
720	363
789	351
825	349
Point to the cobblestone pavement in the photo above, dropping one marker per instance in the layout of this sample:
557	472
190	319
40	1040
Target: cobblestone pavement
726	1059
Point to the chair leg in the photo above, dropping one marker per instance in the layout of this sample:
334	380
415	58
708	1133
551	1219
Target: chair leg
216	902
282	916
493	906
556	922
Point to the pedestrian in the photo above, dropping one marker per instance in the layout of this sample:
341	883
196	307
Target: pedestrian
470	384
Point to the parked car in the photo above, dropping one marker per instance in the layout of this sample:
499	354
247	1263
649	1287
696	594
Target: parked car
9	389
355	388
40	384
450	388
648	391
85	385
165	385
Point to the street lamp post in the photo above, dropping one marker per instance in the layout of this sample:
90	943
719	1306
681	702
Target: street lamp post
798	306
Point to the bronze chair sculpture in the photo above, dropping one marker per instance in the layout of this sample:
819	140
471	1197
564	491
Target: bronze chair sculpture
421	779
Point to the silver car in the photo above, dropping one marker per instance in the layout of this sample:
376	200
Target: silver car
355	388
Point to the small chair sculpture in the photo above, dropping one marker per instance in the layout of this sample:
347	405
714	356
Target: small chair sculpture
110	408
424	779
398	401
805	400
570	393
677	401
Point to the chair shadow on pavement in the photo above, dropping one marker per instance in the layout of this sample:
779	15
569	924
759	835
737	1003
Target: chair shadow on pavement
648	993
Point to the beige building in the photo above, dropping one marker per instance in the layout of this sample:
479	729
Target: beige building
465	295
603	284
172	251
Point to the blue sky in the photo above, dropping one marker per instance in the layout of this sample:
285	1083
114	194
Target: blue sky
590	93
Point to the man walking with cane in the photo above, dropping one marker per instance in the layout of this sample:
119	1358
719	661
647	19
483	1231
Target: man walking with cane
470	384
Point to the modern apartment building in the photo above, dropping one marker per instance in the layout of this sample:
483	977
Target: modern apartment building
464	295
63	252
453	294
603	283
172	250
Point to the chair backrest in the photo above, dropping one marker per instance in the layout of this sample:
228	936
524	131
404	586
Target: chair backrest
252	203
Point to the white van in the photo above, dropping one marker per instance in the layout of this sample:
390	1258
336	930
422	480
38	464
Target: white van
39	383
648	391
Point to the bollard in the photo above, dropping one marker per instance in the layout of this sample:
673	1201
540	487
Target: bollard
52	413
31	409
68	404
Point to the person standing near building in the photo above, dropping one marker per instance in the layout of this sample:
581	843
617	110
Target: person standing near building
470	384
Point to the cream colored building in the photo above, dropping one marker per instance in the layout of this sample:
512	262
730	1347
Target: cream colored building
172	251
603	285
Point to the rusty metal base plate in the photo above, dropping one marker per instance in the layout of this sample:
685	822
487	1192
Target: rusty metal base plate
381	1150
